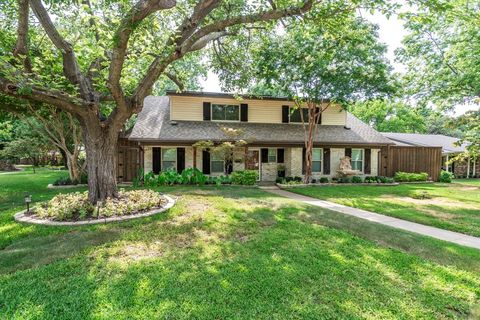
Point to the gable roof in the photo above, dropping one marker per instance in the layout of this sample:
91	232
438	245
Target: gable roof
426	140
153	124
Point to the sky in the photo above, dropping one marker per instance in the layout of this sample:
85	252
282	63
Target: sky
391	32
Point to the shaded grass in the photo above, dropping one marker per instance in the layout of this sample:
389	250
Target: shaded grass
468	182
235	252
451	207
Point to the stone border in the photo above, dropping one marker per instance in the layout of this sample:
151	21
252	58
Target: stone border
21	217
70	186
286	186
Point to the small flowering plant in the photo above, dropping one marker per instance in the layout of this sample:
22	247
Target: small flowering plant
75	206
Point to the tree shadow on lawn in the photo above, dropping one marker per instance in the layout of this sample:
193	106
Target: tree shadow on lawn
264	262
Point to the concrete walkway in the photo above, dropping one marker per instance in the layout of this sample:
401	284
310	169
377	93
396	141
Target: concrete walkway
454	237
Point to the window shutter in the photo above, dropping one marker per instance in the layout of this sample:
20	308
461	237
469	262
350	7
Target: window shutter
264	152
280	155
180	159
304	157
348	152
319	120
367	162
228	166
206	162
326	161
285	111
207	114
156	160
244	112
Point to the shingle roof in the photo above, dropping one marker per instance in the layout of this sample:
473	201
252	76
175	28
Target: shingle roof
426	140
153	124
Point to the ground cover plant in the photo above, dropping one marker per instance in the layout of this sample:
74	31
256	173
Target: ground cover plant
453	207
410	176
229	252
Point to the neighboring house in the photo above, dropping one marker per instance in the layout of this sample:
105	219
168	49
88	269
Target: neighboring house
449	147
168	127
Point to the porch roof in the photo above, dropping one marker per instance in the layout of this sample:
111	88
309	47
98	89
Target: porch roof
154	125
447	143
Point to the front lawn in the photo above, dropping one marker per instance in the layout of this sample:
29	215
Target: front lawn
453	207
468	182
229	252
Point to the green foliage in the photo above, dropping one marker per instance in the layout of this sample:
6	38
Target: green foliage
410	177
193	176
420	195
446	176
246	177
324	180
66	181
357	179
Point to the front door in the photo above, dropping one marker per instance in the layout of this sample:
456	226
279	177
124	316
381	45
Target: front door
252	161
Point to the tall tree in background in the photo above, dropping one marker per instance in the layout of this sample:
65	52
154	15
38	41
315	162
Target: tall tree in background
98	60
318	62
441	52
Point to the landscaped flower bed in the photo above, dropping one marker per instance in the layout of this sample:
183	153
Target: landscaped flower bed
75	206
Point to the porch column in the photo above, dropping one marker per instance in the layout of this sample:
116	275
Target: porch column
195	157
245	158
446	164
474	166
468	167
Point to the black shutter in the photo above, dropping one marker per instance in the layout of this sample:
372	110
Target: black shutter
244	112
264	152
319	120
207	114
285	112
326	161
156	160
366	165
180	159
348	152
206	162
228	166
280	155
304	157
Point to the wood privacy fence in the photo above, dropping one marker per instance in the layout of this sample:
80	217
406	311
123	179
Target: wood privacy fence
411	159
129	160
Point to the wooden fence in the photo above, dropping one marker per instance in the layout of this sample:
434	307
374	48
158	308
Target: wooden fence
411	159
129	160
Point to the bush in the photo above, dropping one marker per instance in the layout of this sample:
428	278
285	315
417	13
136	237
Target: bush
75	206
344	180
246	177
193	176
66	181
297	179
280	180
410	177
357	179
371	179
446	176
323	180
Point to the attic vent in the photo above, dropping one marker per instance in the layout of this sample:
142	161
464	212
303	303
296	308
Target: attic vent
173	123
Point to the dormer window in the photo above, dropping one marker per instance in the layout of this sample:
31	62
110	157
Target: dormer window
225	112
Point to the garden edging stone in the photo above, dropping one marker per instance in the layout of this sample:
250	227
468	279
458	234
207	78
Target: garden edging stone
22	217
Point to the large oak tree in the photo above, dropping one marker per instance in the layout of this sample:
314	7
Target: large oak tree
98	60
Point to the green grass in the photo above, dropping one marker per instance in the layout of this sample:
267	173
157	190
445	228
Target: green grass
454	207
468	182
229	252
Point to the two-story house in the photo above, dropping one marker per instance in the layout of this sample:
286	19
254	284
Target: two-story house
168	127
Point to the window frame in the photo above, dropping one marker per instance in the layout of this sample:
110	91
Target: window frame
362	152
290	113
161	158
224	112
321	160
212	159
276	155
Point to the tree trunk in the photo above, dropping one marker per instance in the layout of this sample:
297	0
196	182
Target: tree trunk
73	168
101	149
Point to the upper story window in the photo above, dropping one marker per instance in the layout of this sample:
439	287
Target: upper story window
296	117
317	158
357	159
169	158
225	112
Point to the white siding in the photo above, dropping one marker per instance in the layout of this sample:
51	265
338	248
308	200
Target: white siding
334	115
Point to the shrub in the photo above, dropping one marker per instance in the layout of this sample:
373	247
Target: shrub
66	181
371	179
75	206
421	195
280	180
446	176
357	179
246	177
344	180
297	179
323	180
410	177
193	176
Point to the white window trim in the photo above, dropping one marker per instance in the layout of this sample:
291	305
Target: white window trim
161	158
276	155
321	161
363	159
225	104
211	161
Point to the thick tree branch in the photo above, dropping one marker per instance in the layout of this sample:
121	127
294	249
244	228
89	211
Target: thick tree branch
137	14
176	80
71	69
38	94
202	42
21	47
158	66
